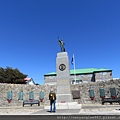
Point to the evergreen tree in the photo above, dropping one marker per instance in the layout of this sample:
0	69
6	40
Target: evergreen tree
10	75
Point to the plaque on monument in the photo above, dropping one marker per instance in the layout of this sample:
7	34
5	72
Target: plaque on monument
76	94
62	67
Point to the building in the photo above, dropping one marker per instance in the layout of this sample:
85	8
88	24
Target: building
82	76
29	81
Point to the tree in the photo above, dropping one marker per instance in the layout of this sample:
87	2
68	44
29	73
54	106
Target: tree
10	75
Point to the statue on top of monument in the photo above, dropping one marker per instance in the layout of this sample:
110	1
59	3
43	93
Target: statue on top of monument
61	44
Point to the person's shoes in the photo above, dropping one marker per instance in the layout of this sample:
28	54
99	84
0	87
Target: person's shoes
54	111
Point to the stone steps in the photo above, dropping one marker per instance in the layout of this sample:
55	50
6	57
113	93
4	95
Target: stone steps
69	105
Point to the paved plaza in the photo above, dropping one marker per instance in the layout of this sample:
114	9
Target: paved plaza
87	109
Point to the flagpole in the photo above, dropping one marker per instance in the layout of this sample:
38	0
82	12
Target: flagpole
74	67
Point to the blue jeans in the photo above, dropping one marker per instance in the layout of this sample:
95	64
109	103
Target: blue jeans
52	105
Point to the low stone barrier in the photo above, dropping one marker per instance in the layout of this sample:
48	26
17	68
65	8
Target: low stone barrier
83	88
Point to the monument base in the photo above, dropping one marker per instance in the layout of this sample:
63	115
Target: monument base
67	105
63	98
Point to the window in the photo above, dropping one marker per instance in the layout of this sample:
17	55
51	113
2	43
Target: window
81	76
104	73
77	81
72	76
51	77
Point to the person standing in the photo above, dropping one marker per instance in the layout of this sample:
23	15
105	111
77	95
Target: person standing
52	98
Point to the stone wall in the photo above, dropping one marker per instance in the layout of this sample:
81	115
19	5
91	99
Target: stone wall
83	88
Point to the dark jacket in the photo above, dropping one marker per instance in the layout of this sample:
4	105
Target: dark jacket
52	96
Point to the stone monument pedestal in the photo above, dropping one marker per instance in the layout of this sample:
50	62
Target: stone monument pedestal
64	96
63	78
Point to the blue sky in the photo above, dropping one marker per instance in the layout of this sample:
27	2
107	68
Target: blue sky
29	31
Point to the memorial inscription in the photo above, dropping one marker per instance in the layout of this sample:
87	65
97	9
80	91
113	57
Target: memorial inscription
76	94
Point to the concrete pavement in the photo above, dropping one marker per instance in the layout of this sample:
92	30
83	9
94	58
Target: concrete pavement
87	109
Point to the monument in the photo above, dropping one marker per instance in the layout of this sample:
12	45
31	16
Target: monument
64	96
63	75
